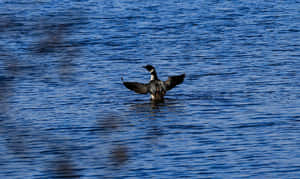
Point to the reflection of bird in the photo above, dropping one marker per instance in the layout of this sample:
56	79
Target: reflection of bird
155	87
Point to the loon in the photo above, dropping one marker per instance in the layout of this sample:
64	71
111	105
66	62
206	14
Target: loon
155	87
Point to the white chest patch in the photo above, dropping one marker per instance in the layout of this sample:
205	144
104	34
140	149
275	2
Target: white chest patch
152	96
152	77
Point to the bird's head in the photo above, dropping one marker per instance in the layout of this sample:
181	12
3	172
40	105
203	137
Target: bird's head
150	68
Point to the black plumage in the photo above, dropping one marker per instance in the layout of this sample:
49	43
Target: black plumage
137	87
155	87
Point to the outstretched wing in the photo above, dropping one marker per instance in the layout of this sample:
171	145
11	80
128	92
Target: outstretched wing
137	87
173	81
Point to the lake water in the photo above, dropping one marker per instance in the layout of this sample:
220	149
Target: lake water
66	113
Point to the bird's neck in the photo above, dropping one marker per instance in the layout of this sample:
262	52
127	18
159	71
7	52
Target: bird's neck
153	75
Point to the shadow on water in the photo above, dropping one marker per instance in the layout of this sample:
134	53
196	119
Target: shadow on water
28	144
63	167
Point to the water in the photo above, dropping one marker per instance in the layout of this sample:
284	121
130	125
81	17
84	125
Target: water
65	112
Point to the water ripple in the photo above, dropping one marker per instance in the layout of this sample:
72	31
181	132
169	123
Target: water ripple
65	112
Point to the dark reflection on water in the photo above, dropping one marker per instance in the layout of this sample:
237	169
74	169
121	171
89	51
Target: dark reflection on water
119	155
63	168
65	114
153	107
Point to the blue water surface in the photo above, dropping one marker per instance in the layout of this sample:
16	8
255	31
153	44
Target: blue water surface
65	112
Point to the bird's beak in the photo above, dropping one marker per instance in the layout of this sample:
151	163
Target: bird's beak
144	66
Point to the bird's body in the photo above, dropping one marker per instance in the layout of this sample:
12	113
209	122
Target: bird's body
157	90
155	87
